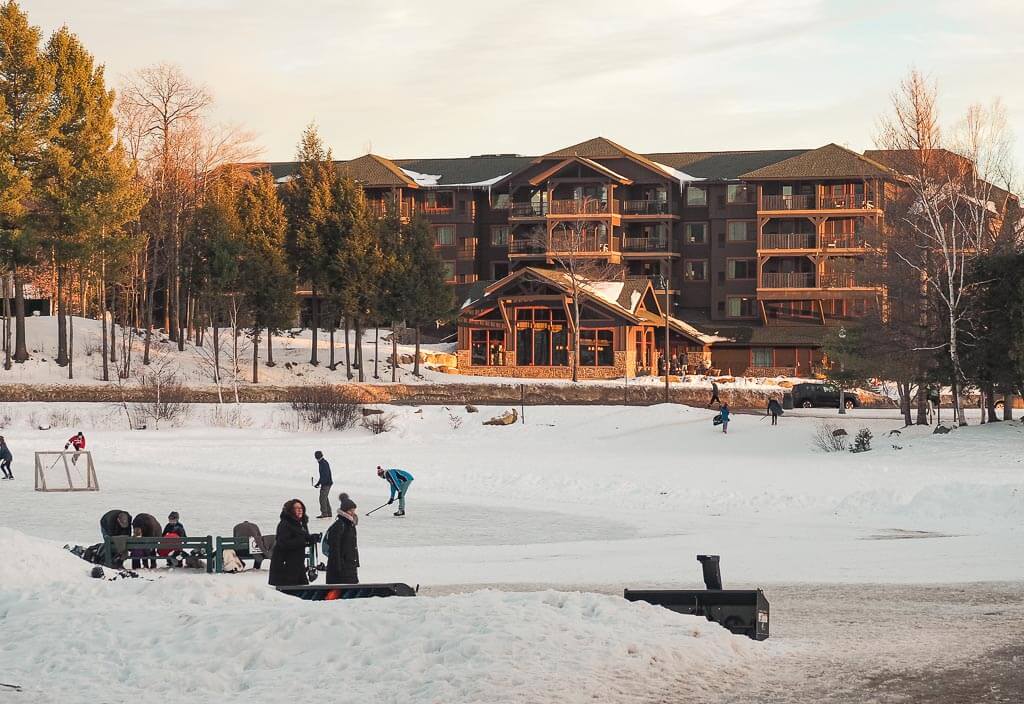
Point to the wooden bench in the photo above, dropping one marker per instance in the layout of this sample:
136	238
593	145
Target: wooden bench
241	547
125	544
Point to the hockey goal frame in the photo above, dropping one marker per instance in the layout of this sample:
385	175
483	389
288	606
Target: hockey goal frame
91	481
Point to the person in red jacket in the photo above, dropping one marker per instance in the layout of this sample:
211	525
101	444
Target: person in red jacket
79	443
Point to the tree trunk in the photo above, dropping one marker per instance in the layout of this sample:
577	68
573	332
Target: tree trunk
990	403
416	360
348	356
359	348
20	344
71	346
113	325
150	295
103	319
62	329
394	352
376	349
575	335
954	357
270	348
7	322
922	403
331	364
216	360
957	409
903	388
1008	398
314	306
255	355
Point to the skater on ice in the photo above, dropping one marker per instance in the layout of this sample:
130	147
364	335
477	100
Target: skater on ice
5	459
324	485
78	441
774	410
724	413
288	563
714	395
398	480
340	544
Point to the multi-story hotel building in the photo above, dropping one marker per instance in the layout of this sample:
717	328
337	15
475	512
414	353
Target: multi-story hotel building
757	251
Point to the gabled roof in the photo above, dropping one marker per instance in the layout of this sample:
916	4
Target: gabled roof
589	163
468	170
373	170
830	161
604	148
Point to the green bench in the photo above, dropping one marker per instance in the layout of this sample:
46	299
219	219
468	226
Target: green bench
241	547
124	545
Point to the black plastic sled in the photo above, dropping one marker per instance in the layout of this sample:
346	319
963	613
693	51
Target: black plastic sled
333	592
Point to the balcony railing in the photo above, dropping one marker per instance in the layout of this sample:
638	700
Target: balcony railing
849	201
380	208
792	280
437	209
644	207
580	207
526	246
841	280
842	241
587	243
528	210
644	244
788	240
790	202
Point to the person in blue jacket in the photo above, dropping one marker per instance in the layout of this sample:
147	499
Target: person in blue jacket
398	480
724	412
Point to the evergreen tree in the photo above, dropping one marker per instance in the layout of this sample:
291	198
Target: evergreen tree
266	281
309	204
394	277
429	298
356	260
26	83
86	189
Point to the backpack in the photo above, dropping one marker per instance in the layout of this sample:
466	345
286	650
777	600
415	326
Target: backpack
165	552
231	562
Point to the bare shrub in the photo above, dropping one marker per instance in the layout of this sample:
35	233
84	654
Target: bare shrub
63	418
862	443
228	417
5	417
827	439
379	423
320	405
166	398
454	421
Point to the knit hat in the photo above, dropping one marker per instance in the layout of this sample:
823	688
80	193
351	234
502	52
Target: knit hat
380	471
173	516
345	503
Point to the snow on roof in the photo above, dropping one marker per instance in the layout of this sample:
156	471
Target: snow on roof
422	179
634	298
690	330
284	179
476	184
678	175
608	290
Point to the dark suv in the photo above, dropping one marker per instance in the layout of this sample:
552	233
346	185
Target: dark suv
821	396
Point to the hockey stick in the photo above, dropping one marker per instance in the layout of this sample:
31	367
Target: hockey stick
379	508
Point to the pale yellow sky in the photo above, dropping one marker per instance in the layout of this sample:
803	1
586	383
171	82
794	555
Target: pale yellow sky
460	77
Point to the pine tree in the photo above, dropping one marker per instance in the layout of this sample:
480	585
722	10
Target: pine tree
26	82
394	277
429	298
266	281
86	189
309	203
356	260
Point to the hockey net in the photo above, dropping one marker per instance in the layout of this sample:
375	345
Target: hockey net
66	471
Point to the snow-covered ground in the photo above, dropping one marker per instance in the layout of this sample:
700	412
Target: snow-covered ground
291	358
598	497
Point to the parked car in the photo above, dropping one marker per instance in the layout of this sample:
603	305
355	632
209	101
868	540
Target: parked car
821	396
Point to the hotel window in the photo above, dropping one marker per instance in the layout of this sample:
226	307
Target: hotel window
596	348
449	270
739	307
696	196
488	347
741	231
542	338
762	357
444	235
696	233
742	268
499	235
695	270
740	193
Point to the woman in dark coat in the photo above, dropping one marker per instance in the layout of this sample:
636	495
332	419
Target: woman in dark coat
340	545
288	563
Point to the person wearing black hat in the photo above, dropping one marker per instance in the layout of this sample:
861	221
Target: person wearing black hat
173	529
324	485
340	546
5	459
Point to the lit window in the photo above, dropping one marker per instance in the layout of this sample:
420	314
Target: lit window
696	233
696	196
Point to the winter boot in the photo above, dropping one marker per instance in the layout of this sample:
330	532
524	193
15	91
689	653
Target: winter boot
399	512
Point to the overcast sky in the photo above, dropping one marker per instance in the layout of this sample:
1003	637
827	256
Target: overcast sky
461	77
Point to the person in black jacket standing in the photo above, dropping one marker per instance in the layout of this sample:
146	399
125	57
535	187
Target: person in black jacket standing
5	459
288	563
341	546
324	485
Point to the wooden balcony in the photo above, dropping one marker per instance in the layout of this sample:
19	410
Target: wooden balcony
659	245
844	242
582	207
791	280
528	211
592	246
436	209
788	240
847	202
842	280
790	202
644	207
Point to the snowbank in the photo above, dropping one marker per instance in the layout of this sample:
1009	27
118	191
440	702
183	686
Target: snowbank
26	562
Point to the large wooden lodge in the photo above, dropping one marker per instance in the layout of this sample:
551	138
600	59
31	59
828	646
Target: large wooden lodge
757	252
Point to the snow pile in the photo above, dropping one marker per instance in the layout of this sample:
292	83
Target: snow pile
422	179
26	561
221	638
